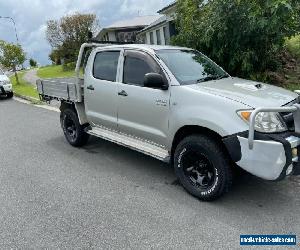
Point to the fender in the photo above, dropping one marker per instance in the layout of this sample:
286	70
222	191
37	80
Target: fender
80	109
205	110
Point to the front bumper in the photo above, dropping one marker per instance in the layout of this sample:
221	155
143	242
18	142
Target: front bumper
273	156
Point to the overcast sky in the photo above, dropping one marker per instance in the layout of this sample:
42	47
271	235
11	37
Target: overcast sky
31	17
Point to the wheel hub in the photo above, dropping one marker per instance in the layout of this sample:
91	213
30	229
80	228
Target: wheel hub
70	128
198	169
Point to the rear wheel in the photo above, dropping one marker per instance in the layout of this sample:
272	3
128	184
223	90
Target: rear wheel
203	167
74	132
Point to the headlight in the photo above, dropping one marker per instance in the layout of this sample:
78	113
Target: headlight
265	122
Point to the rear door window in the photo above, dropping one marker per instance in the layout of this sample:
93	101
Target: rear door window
106	65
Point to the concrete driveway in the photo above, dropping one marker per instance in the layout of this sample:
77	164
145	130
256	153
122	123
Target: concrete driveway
31	76
106	196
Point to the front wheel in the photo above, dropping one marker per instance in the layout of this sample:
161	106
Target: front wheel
10	95
74	132
203	167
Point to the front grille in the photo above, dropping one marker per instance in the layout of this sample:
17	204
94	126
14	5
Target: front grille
288	118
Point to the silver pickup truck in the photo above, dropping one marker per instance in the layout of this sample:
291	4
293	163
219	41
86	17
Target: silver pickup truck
178	106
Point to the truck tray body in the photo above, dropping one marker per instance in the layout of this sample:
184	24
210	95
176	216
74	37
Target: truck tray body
69	89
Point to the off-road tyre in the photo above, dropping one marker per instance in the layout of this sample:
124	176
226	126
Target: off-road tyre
73	131
203	167
10	95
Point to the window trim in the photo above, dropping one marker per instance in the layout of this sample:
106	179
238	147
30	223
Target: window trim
93	68
148	54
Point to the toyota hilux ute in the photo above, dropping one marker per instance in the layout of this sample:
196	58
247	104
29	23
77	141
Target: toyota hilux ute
5	85
177	105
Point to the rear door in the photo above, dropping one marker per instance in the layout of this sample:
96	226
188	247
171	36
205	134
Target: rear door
142	112
101	90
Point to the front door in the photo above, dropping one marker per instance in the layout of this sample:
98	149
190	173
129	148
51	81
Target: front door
101	89
142	112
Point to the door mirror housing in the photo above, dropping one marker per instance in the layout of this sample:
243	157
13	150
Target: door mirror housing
155	81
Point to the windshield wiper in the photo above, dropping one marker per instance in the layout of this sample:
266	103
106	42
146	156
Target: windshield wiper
222	77
210	78
206	79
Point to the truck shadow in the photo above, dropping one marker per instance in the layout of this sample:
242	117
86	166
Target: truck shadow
4	98
244	184
248	193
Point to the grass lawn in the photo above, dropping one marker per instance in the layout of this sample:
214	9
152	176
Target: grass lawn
54	71
24	88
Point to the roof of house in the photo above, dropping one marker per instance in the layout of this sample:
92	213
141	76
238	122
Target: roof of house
167	7
140	21
154	24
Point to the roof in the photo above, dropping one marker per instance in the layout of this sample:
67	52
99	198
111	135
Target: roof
167	7
154	24
147	47
141	21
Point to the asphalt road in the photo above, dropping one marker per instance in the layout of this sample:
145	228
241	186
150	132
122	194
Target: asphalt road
107	196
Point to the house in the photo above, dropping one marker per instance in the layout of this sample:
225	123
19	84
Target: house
126	30
160	31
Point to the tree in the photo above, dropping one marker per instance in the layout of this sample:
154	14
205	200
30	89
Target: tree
67	34
32	63
54	56
11	56
245	37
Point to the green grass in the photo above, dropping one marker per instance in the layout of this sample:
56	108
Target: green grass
54	71
293	86
293	76
24	88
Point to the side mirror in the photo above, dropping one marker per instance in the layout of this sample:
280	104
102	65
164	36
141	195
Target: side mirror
156	81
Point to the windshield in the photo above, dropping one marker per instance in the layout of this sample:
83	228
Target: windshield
190	66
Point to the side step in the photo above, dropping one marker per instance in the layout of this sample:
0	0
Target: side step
131	142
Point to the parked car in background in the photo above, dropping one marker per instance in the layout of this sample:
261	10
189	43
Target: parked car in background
5	85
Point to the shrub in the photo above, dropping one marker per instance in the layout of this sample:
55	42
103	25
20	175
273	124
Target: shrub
293	46
69	66
245	37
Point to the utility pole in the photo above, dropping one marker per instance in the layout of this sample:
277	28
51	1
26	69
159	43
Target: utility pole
11	19
15	27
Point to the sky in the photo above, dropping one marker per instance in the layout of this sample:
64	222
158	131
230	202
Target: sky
31	17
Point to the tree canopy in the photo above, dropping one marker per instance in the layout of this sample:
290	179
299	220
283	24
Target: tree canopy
32	62
243	36
11	56
68	33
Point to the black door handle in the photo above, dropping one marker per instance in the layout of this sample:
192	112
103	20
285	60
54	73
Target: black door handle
123	93
91	87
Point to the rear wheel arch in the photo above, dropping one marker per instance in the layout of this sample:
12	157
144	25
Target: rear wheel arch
66	105
78	108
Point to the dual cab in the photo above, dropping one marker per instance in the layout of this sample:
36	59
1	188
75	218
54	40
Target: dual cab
177	105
